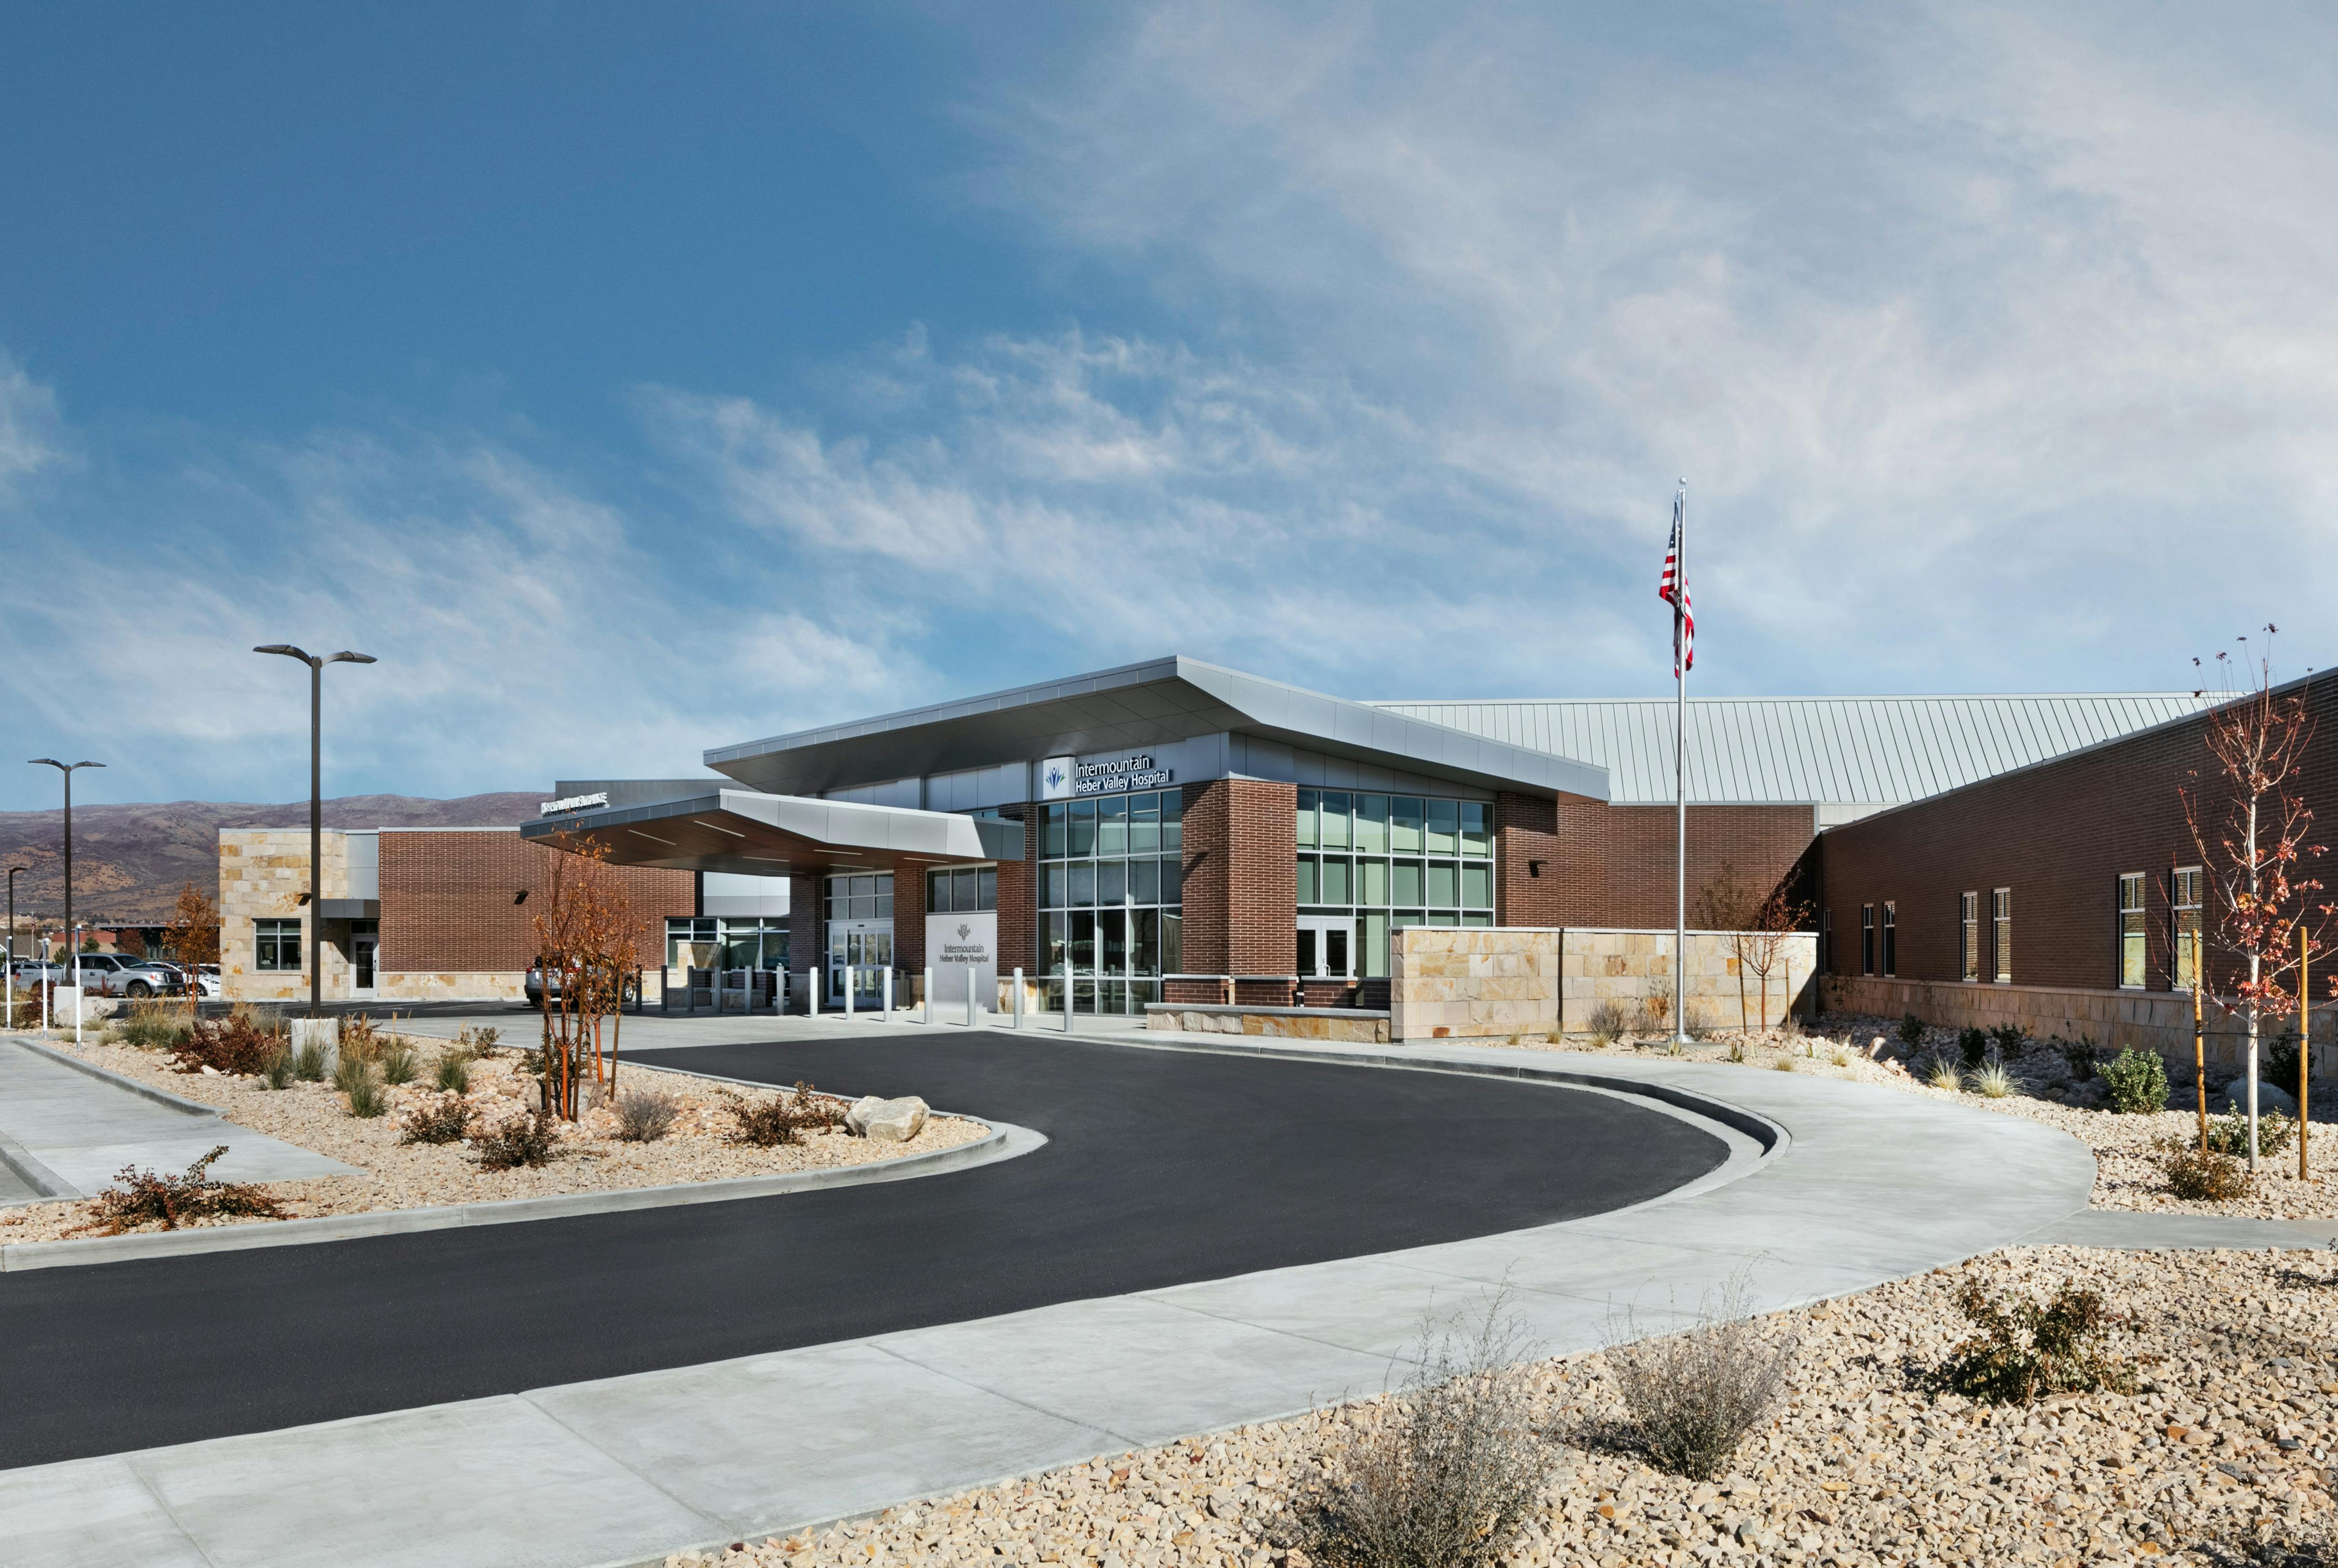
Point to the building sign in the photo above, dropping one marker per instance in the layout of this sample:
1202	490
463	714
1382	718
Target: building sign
962	948
572	803
1061	777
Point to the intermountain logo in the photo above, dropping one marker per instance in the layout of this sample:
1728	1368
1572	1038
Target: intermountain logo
964	930
1055	776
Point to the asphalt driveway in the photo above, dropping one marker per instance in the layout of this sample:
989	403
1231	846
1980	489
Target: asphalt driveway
1163	1168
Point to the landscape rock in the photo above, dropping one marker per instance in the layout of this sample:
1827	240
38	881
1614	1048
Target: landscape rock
887	1121
2235	1097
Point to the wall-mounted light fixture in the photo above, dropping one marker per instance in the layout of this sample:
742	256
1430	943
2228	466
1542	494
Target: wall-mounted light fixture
1534	868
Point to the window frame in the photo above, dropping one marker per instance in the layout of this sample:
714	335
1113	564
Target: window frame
2186	949
1968	936
267	933
2127	924
1867	941
1889	947
2000	936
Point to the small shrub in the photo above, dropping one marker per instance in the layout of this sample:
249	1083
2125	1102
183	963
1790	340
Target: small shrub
1840	1055
152	1026
441	1118
235	1046
453	1074
2137	1081
2078	1056
1694	1396
2229	1134
2024	1352
2273	1543
1737	1049
277	1071
2009	1039
783	1119
1610	1021
2214	1177
308	1064
645	1115
1445	1471
1972	1046
368	1098
2281	1062
399	1064
1556	1037
472	1045
530	1138
1782	1064
360	1039
1943	1075
1993	1082
142	1196
1911	1030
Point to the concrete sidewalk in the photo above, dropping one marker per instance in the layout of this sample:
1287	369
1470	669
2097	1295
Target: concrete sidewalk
67	1127
1867	1185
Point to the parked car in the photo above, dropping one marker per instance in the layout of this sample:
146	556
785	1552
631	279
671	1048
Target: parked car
535	988
35	972
205	978
112	975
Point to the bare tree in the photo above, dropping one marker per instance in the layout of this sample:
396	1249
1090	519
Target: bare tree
192	936
584	942
1763	946
2253	855
1726	903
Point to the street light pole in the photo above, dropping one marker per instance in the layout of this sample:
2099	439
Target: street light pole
14	872
316	798
67	770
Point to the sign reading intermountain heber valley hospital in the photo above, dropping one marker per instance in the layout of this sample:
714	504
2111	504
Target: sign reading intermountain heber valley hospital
1061	777
964	947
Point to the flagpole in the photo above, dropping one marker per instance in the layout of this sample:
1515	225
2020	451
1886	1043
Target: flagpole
1680	781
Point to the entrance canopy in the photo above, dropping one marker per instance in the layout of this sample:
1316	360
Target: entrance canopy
758	835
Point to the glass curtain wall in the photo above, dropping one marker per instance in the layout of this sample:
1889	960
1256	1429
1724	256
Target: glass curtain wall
743	944
1111	896
1370	864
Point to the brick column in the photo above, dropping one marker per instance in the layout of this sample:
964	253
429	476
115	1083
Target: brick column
1526	835
1204	872
1262	886
1018	896
908	926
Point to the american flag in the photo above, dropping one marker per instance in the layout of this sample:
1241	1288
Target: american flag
1673	589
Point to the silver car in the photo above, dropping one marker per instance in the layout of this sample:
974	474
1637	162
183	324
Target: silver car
112	975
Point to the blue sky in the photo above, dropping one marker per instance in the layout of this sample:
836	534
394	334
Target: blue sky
633	380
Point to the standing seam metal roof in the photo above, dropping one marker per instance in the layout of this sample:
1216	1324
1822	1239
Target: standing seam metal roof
1846	750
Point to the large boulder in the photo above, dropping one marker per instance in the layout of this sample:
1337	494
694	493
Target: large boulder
2234	1096
885	1121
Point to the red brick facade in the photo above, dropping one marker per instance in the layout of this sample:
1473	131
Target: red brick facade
1530	871
2058	835
447	902
1242	886
1615	862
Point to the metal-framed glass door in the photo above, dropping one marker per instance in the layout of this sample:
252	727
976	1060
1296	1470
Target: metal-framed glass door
1327	947
865	947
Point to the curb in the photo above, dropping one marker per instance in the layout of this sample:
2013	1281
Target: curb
143	1090
1005	1141
34	1174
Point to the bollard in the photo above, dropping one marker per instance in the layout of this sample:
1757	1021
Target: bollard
969	999
1071	1000
926	1002
1018	997
889	993
779	991
812	992
851	970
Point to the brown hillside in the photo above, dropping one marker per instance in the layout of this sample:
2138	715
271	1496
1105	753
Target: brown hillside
129	862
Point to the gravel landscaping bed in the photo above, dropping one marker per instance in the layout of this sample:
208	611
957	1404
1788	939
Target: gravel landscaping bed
588	1157
2226	1439
2128	1172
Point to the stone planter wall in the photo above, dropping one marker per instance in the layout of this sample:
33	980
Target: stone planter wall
1450	982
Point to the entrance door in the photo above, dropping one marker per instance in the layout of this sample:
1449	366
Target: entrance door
362	949
866	948
1326	947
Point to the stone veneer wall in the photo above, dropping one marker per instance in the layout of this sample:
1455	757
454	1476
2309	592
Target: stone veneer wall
2158	1020
263	871
1454	982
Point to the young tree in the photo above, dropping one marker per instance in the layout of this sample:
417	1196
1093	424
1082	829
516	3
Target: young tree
192	935
2254	852
1727	904
585	943
1763	946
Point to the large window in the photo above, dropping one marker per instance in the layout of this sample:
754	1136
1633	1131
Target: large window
2183	887
862	897
2130	931
962	891
1111	897
1867	939
2001	934
275	945
1891	937
1370	864
1968	935
738	943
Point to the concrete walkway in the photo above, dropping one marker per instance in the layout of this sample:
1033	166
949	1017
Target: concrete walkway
1866	1185
67	1127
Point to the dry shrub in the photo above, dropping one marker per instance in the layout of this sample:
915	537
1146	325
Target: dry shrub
1443	1471
236	1046
1609	1021
142	1196
440	1119
2276	1544
1693	1396
152	1026
530	1138
360	1040
2025	1352
645	1115
471	1044
783	1119
2213	1177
